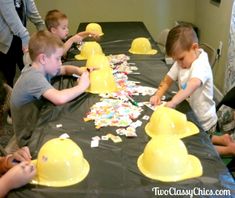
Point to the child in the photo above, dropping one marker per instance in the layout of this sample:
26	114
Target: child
16	169
225	144
193	73
45	50
57	23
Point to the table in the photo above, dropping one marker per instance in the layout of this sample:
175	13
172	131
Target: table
113	167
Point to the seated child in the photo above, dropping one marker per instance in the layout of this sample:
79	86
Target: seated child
16	170
225	144
57	23
193	72
45	50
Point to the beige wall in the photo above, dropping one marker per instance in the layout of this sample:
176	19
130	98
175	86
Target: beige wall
213	21
214	24
161	14
156	14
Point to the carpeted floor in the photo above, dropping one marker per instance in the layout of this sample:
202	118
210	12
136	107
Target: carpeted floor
8	130
7	133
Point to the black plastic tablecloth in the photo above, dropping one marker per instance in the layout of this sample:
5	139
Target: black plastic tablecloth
113	167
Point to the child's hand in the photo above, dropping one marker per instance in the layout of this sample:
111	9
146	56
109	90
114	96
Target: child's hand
155	100
86	34
84	81
20	155
77	39
94	35
19	175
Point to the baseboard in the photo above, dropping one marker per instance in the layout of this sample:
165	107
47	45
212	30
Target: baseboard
217	94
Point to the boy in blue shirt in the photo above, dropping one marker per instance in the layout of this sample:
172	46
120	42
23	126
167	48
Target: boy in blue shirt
45	50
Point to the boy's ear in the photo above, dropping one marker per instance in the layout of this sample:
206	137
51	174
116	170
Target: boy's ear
195	46
41	58
53	30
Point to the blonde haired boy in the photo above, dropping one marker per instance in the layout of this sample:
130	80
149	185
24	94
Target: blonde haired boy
45	51
57	23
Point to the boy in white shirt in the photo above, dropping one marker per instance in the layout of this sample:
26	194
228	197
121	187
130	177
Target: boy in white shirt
193	73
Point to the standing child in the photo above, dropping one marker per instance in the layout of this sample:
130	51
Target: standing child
45	50
57	23
193	73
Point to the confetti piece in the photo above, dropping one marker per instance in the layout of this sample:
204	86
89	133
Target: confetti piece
59	125
94	143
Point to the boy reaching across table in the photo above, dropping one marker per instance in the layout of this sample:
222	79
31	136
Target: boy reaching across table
57	23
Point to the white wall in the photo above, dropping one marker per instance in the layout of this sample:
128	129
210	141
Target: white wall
214	24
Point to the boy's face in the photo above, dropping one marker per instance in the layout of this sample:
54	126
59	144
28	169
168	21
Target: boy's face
186	58
53	63
62	29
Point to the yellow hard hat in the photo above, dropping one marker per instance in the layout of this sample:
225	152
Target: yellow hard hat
141	45
165	158
99	61
60	163
94	27
166	120
88	49
102	79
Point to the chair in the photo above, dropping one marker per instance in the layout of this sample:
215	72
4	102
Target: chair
161	39
212	54
228	99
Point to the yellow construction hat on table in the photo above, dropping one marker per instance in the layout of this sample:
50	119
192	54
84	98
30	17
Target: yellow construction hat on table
166	158
142	45
101	79
88	49
95	28
60	163
99	61
166	120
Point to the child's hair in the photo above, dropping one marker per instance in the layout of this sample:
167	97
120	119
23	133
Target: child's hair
180	37
43	42
53	17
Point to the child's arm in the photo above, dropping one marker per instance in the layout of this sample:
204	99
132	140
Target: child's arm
86	34
77	38
16	177
182	94
74	39
59	97
163	87
10	160
70	69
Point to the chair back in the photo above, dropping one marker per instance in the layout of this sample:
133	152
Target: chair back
212	55
161	39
